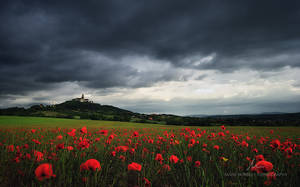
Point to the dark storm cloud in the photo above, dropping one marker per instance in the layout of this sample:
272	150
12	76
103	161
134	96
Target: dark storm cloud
44	43
214	106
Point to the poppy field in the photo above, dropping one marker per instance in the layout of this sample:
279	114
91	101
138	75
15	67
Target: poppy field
148	156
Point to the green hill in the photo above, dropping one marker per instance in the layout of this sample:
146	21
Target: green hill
81	109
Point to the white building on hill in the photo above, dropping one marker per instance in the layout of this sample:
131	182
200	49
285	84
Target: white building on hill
82	99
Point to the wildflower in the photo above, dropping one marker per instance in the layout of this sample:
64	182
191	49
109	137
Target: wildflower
11	148
135	134
262	167
97	139
122	157
197	164
288	152
166	167
69	148
259	158
221	134
132	151
60	146
134	166
192	141
216	147
91	164
244	144
174	159
113	153
122	148
159	157
83	144
44	171
38	156
104	132
255	150
36	141
72	133
83	130
59	137
275	144
224	159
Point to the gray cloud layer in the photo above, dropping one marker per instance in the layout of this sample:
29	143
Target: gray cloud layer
45	43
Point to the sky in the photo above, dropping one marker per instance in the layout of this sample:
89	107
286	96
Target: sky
172	56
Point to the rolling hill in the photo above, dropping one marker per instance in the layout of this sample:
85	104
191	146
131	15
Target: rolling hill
76	109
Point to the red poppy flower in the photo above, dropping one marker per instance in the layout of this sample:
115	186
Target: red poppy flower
262	167
259	158
103	132
244	144
83	130
132	151
72	133
69	148
255	150
113	153
275	144
59	137
134	166
216	147
44	171
38	156
122	157
192	141
158	157
221	134
122	148
11	148
166	167
135	134
60	146
197	164
288	152
91	164
174	159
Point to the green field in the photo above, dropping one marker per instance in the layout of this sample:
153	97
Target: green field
44	122
17	121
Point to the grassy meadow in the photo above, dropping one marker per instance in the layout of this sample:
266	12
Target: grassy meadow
69	152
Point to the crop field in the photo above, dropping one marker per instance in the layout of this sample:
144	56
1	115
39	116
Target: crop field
65	152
